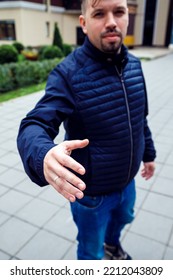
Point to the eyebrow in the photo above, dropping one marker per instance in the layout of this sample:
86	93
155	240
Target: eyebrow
102	9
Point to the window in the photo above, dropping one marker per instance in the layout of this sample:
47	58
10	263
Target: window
47	29
7	30
149	22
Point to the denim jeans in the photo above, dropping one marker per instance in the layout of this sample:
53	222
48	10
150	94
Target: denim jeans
100	219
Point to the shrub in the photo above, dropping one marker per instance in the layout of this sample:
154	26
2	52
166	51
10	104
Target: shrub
16	75
40	52
19	47
6	81
57	39
8	53
67	49
50	52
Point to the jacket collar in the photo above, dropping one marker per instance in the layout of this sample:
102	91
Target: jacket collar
96	54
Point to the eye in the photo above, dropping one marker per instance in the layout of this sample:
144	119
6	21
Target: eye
99	14
119	13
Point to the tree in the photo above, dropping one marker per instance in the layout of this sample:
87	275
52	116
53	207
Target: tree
57	40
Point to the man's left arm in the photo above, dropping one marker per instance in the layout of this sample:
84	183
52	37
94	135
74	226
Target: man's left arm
149	153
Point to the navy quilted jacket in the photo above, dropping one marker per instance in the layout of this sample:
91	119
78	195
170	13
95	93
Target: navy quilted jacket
99	97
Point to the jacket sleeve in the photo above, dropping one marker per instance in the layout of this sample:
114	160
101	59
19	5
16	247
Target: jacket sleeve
149	151
41	125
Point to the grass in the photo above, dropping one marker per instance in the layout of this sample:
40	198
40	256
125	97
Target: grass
21	92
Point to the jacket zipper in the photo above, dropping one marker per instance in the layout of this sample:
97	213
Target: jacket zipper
120	74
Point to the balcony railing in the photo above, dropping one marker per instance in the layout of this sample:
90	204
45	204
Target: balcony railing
72	4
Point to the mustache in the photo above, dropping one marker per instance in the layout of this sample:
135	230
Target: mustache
111	32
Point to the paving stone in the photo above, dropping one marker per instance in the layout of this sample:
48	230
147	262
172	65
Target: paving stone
28	187
44	246
169	254
141	248
3	190
152	226
4	256
163	186
63	225
14	234
3	217
159	204
51	195
12	177
12	201
167	172
72	253
37	212
10	159
141	194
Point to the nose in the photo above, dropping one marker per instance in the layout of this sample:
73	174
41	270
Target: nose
110	21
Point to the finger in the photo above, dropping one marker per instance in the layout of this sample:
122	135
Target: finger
67	190
68	176
69	162
76	144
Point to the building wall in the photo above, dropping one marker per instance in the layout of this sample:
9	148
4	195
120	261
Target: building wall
70	23
139	22
161	22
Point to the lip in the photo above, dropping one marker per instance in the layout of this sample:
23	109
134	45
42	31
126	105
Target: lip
111	37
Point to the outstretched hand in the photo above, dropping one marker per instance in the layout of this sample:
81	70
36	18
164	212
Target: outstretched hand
56	164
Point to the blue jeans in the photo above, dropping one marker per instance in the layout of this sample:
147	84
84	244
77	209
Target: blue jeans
100	219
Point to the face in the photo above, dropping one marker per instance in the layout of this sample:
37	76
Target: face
105	23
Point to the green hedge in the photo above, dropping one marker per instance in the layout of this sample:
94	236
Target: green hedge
16	75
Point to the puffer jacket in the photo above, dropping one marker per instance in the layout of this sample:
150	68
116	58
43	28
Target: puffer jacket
100	97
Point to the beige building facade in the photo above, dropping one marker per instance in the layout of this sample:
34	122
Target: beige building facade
32	22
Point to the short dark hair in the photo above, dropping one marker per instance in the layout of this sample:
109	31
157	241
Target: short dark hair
84	2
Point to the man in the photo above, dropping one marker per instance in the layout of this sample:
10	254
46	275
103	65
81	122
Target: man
99	93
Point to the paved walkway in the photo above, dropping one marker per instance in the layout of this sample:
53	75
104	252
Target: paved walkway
36	223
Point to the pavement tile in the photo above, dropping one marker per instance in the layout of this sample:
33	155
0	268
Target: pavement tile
9	145
169	254
171	240
159	204
143	184
71	253
10	159
141	194
12	201
14	234
152	226
12	177
3	217
142	248
4	256
169	160
51	195
167	172
44	246
28	187
3	169
3	190
62	224
163	186
37	212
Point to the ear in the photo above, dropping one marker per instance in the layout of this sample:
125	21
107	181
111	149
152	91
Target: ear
83	23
